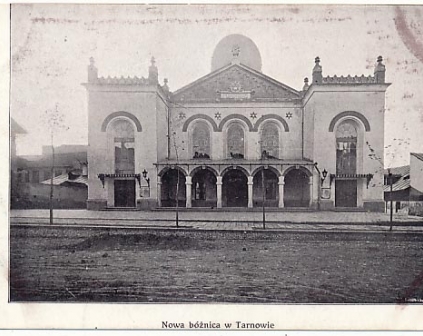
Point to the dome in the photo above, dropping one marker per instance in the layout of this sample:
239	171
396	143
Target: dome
236	46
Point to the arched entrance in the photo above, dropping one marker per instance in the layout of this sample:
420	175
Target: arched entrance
271	192
346	164
169	187
235	190
297	189
204	191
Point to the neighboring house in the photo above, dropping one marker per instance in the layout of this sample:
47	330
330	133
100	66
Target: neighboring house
407	186
69	182
15	131
212	139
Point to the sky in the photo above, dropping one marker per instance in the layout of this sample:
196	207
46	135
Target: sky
52	44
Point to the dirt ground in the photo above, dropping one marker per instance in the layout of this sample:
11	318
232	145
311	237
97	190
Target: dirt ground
116	265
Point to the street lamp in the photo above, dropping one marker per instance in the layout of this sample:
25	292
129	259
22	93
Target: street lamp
324	174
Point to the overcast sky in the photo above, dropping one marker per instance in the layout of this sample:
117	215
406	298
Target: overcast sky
51	46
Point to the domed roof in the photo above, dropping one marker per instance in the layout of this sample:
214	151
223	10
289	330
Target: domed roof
236	46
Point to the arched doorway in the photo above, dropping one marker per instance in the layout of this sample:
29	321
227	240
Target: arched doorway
204	191
297	189
169	187
271	192
235	190
346	164
123	136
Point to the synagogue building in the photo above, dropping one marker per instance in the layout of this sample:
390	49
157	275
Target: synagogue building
236	138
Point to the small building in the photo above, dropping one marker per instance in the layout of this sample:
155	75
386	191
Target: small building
237	138
15	131
70	182
407	186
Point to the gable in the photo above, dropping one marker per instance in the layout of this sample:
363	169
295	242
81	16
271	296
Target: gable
235	82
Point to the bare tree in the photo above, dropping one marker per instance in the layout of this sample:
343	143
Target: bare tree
55	123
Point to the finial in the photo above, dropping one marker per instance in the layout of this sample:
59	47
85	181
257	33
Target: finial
92	71
306	86
153	73
317	60
165	81
380	70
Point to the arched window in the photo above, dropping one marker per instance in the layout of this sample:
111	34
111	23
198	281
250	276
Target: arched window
201	141
124	143
235	142
346	148
270	141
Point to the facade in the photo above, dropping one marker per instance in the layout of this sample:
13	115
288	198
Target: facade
236	138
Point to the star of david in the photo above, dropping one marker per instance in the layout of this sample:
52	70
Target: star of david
181	115
289	115
253	115
217	115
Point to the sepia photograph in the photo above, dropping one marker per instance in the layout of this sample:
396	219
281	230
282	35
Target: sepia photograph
216	154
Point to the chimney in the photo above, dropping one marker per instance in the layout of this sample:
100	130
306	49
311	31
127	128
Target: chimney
380	71
92	71
153	73
317	71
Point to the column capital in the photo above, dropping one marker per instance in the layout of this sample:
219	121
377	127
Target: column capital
219	180
188	179
250	180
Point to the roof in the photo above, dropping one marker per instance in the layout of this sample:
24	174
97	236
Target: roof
418	155
60	160
64	178
235	73
398	171
15	128
402	184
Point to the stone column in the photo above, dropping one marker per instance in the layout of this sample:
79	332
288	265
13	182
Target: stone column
310	187
219	191
159	191
188	184
250	191
281	184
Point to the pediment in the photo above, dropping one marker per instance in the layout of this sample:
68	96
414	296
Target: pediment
235	82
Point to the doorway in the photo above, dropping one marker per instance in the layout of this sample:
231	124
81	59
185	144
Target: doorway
235	190
124	193
346	193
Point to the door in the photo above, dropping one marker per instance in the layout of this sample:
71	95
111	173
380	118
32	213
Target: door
125	193
235	189
346	193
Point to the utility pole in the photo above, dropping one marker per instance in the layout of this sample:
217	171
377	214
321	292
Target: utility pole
52	176
263	198
390	199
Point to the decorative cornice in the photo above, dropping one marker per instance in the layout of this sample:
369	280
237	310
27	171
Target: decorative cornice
349	80
121	81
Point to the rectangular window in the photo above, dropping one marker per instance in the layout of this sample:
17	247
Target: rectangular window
346	158
46	174
35	176
124	157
